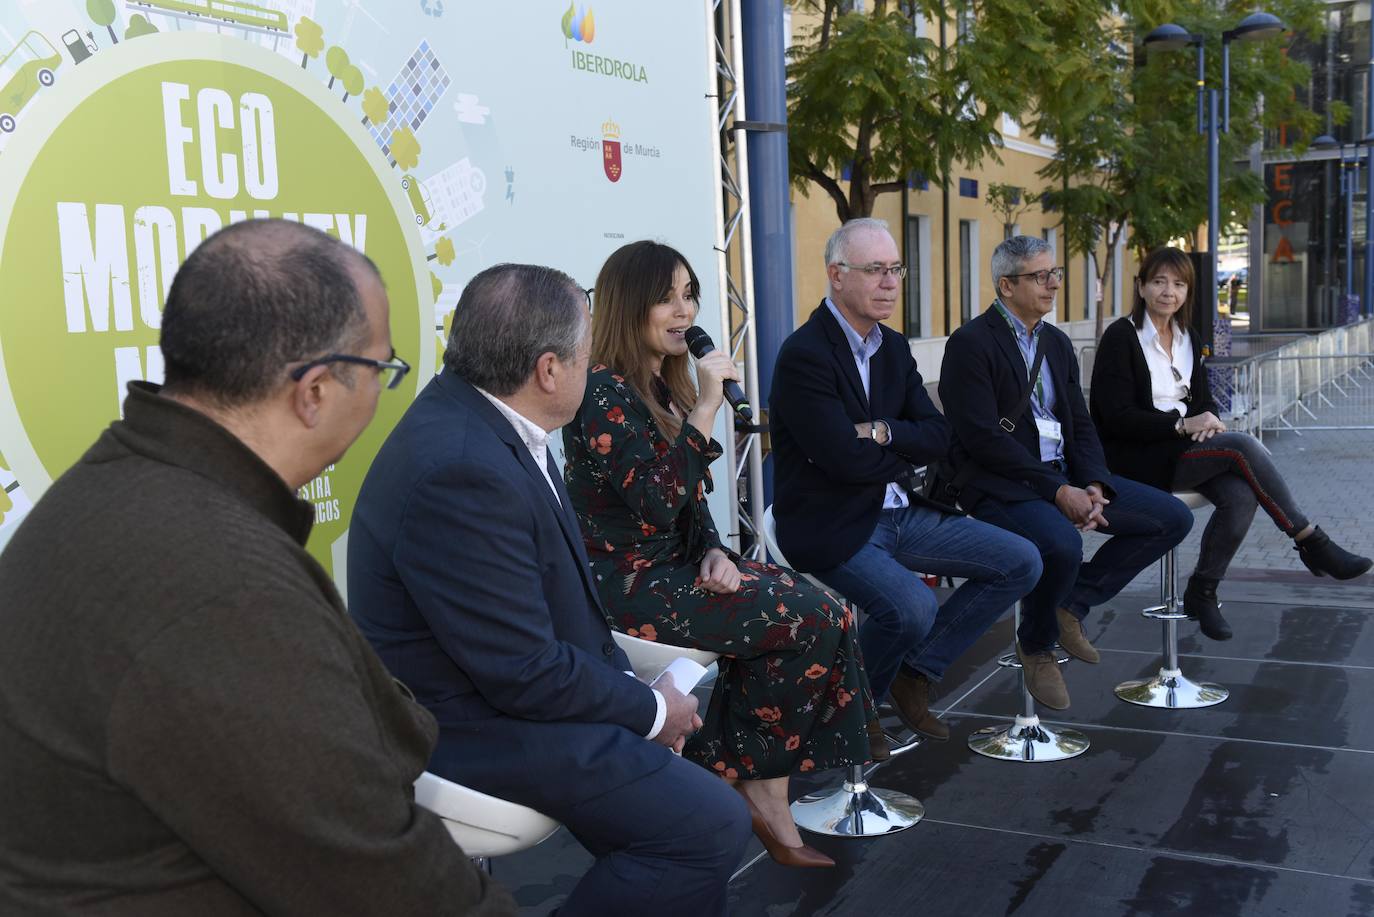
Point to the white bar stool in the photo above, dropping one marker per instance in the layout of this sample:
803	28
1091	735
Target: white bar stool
1025	738
1170	688
854	809
483	825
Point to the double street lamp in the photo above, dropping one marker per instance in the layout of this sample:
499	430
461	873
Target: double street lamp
1170	37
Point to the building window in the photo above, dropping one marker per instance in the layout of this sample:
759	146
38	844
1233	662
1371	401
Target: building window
968	187
967	270
914	328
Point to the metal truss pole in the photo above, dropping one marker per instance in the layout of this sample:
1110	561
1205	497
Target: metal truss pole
735	275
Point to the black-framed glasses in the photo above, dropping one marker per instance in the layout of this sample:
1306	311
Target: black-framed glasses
876	270
1042	277
588	293
392	371
1178	377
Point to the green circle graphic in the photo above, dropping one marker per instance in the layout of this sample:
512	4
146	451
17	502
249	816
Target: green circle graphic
93	209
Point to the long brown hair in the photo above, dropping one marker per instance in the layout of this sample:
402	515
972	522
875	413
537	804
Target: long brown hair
634	279
1182	265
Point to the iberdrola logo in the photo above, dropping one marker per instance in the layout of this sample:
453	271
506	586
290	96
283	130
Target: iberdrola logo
579	26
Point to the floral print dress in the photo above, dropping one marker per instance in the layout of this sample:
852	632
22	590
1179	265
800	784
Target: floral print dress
792	694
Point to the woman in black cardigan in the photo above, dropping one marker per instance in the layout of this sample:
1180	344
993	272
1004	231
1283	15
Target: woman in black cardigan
1154	412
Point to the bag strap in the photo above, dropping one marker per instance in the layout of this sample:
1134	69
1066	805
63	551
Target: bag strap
1024	403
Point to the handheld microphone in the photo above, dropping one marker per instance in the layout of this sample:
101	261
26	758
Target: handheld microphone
700	344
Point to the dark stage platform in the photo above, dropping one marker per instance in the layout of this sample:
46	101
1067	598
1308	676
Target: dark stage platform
1262	805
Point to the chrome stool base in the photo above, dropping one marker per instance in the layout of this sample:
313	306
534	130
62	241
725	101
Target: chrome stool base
1173	690
1170	689
857	810
1027	739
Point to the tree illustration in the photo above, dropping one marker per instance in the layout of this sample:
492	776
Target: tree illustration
102	12
435	284
139	25
352	82
309	39
336	59
405	149
375	107
444	252
6	504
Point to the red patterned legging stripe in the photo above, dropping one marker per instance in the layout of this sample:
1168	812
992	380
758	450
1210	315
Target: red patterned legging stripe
1236	458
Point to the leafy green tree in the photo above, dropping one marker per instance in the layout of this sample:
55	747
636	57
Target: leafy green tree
405	149
309	39
443	252
435	284
139	25
375	107
102	12
1010	202
337	62
352	82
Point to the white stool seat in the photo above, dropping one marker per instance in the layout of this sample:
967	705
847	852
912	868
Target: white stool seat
1192	499
483	825
649	658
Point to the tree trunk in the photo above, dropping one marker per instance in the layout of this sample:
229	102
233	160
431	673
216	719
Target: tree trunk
331	82
110	29
304	58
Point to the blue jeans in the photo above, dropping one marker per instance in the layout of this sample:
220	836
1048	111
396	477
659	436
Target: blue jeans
904	621
1143	523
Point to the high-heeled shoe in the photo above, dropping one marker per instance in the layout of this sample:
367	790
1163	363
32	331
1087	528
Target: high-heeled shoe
1326	558
803	856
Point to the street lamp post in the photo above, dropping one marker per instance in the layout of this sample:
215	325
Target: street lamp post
1351	154
1171	37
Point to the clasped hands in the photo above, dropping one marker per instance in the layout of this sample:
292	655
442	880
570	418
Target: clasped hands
1082	506
681	720
1203	426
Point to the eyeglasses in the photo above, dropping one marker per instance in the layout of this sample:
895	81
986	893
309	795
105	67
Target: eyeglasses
876	270
392	371
1042	277
1178	377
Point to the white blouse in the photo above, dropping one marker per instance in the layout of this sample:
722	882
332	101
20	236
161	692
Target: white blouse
1171	374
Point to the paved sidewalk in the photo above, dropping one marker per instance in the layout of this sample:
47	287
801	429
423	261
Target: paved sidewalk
1331	475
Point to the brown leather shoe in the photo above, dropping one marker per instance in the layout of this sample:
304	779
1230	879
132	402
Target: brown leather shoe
1072	638
1043	679
803	856
878	746
911	699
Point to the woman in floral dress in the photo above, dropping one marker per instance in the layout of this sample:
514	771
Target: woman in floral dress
792	694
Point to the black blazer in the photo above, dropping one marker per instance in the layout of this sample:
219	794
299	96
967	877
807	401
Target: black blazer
828	484
1139	439
984	374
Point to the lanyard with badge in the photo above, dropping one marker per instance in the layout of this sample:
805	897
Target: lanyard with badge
1048	429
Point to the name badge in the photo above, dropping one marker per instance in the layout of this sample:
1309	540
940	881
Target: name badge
1049	429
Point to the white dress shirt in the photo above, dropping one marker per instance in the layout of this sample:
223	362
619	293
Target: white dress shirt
1166	389
536	439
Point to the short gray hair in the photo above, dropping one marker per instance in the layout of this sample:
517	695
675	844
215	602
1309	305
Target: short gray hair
508	316
837	246
1012	254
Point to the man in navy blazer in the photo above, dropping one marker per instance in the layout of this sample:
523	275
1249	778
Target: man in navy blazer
466	572
1041	474
850	418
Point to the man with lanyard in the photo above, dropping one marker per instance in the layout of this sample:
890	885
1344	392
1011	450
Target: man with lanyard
1034	466
849	417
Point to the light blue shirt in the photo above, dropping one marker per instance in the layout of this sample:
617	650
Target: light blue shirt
863	349
1042	401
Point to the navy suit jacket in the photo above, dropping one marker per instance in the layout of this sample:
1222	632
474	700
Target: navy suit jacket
828	484
984	374
471	583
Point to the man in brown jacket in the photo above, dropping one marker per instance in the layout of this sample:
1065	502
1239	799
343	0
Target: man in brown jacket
189	721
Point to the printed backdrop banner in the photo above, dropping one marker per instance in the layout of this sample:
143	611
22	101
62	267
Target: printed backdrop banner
439	137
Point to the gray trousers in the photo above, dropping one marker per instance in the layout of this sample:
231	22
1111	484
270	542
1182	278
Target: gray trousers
1236	474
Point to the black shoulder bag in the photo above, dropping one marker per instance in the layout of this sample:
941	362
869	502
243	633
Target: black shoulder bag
942	484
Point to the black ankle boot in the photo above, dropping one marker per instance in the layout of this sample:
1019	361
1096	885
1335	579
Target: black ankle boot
1326	558
1200	602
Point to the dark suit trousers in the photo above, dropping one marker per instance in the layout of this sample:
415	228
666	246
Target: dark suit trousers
666	839
1143	523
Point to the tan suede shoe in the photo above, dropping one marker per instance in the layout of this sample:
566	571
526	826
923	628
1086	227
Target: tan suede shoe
1043	679
1072	638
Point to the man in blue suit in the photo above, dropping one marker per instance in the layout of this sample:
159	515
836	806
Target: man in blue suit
466	572
1042	474
850	417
